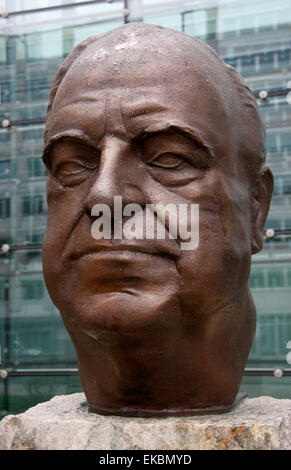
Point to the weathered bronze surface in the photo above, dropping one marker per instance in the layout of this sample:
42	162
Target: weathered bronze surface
154	116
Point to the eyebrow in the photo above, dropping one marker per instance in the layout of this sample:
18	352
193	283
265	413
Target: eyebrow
73	134
157	128
180	127
183	129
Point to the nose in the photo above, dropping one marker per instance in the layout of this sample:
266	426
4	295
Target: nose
119	174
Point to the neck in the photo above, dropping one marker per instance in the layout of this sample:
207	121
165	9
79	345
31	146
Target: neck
178	371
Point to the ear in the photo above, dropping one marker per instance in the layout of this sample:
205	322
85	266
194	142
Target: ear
261	199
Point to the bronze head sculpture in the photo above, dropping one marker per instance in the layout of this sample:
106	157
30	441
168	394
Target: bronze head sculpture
154	116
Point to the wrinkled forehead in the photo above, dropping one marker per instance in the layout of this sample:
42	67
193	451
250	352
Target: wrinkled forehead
180	73
130	58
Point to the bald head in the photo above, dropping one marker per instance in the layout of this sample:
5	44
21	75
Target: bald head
140	50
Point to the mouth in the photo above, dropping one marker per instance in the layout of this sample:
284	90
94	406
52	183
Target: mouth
127	250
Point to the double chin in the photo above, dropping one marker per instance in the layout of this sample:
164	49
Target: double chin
167	368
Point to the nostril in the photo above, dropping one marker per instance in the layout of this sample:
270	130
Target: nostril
133	194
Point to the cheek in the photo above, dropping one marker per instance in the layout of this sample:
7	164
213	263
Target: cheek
219	267
65	207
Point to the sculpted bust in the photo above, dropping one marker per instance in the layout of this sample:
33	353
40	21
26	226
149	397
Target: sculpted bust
141	116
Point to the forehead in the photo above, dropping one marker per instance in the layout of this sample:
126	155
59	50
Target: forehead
133	79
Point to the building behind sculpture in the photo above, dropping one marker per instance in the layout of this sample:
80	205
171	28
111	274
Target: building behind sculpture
254	36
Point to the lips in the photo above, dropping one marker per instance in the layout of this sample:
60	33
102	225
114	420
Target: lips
167	248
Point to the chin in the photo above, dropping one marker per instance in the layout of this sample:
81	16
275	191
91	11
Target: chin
124	313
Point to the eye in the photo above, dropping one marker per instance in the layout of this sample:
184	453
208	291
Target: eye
172	169
173	159
167	160
71	173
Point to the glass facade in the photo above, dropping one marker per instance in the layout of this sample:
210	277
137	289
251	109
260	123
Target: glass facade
254	36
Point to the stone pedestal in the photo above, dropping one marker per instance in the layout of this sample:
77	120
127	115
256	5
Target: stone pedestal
64	423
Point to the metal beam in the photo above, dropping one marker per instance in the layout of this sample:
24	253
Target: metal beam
7	14
133	11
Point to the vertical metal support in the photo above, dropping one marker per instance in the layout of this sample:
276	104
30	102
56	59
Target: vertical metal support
183	21
211	23
133	11
6	349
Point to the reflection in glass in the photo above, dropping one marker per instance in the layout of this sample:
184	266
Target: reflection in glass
24	392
